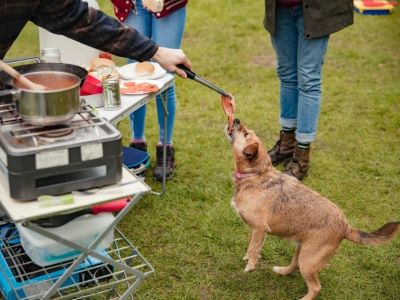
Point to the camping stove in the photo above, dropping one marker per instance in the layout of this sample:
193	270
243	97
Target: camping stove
34	160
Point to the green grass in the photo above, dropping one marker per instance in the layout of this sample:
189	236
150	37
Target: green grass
192	236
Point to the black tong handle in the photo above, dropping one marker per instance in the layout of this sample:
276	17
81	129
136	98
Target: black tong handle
189	73
192	75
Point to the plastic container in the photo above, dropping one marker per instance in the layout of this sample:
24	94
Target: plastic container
133	158
83	230
72	52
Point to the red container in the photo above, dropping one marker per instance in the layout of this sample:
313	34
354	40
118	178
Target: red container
91	86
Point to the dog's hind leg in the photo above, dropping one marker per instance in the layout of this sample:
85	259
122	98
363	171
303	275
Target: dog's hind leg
294	265
254	249
311	260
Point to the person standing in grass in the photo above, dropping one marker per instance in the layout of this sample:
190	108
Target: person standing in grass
300	32
166	29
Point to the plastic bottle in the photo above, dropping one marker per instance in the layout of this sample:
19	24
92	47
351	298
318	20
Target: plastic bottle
72	52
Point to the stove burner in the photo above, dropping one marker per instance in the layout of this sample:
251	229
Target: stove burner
8	114
57	133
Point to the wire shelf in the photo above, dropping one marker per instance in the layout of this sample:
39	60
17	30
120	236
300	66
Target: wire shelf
21	279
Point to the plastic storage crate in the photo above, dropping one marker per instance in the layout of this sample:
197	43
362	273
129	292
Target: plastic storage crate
21	279
135	160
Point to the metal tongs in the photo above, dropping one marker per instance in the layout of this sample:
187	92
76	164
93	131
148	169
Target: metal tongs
192	75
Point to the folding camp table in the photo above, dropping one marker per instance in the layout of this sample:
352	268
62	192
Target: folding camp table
122	266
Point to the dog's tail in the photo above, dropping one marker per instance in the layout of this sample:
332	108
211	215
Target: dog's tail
380	236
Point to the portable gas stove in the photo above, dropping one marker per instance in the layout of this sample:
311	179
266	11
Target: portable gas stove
35	160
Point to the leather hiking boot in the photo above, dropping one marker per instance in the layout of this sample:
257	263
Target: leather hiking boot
139	146
283	148
298	165
171	165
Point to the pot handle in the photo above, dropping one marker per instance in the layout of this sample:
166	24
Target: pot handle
14	93
23	60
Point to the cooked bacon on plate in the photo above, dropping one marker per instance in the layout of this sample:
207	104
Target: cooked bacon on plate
228	105
131	87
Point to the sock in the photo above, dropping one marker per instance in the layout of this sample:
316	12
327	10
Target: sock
303	145
136	141
288	130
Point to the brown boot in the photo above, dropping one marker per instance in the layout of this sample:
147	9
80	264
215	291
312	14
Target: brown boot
170	166
283	148
298	165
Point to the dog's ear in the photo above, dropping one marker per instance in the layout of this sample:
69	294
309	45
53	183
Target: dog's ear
251	151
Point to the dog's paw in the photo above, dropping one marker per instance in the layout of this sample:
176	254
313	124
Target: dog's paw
283	270
245	258
278	270
249	268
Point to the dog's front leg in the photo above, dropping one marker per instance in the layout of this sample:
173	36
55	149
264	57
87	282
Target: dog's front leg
246	257
254	249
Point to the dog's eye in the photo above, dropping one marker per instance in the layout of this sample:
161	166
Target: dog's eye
246	134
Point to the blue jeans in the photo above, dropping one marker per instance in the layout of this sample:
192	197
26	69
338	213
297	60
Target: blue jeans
166	32
299	69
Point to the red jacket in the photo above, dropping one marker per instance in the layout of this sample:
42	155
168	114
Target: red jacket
123	7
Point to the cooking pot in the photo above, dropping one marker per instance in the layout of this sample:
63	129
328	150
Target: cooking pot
57	104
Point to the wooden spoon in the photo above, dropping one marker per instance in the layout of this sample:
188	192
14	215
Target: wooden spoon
21	78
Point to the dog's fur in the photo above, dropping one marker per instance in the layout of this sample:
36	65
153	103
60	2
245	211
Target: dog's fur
274	203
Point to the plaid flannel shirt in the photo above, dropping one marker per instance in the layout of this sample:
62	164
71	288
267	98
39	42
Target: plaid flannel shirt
74	19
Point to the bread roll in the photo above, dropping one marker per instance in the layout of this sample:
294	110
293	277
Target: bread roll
96	62
144	69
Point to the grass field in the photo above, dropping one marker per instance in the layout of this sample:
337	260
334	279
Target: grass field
192	236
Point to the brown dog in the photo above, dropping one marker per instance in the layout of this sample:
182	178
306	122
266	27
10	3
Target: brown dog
278	204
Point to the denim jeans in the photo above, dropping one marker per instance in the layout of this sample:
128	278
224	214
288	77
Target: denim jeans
299	69
166	32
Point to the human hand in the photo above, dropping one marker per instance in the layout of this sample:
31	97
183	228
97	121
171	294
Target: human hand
154	6
169	59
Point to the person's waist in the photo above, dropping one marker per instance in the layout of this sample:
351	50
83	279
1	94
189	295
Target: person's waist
289	3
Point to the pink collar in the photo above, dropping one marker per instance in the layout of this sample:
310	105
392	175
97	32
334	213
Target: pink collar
237	175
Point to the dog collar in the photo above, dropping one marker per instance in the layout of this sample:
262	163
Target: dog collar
238	175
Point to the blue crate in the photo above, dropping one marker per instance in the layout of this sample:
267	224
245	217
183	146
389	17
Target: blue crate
133	158
23	285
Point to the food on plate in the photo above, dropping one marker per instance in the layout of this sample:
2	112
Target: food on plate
144	69
131	87
100	61
228	105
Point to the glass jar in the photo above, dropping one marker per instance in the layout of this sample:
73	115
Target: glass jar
50	55
111	94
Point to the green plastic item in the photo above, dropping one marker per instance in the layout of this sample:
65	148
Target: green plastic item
48	200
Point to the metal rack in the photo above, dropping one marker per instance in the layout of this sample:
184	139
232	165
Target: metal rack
112	273
27	281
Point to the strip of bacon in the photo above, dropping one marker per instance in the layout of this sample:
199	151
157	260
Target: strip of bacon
133	87
228	105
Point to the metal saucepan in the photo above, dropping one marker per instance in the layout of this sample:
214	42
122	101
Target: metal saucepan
54	106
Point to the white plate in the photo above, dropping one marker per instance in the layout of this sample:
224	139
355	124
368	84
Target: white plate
128	72
157	83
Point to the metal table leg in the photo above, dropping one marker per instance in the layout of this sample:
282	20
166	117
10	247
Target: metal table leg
164	98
